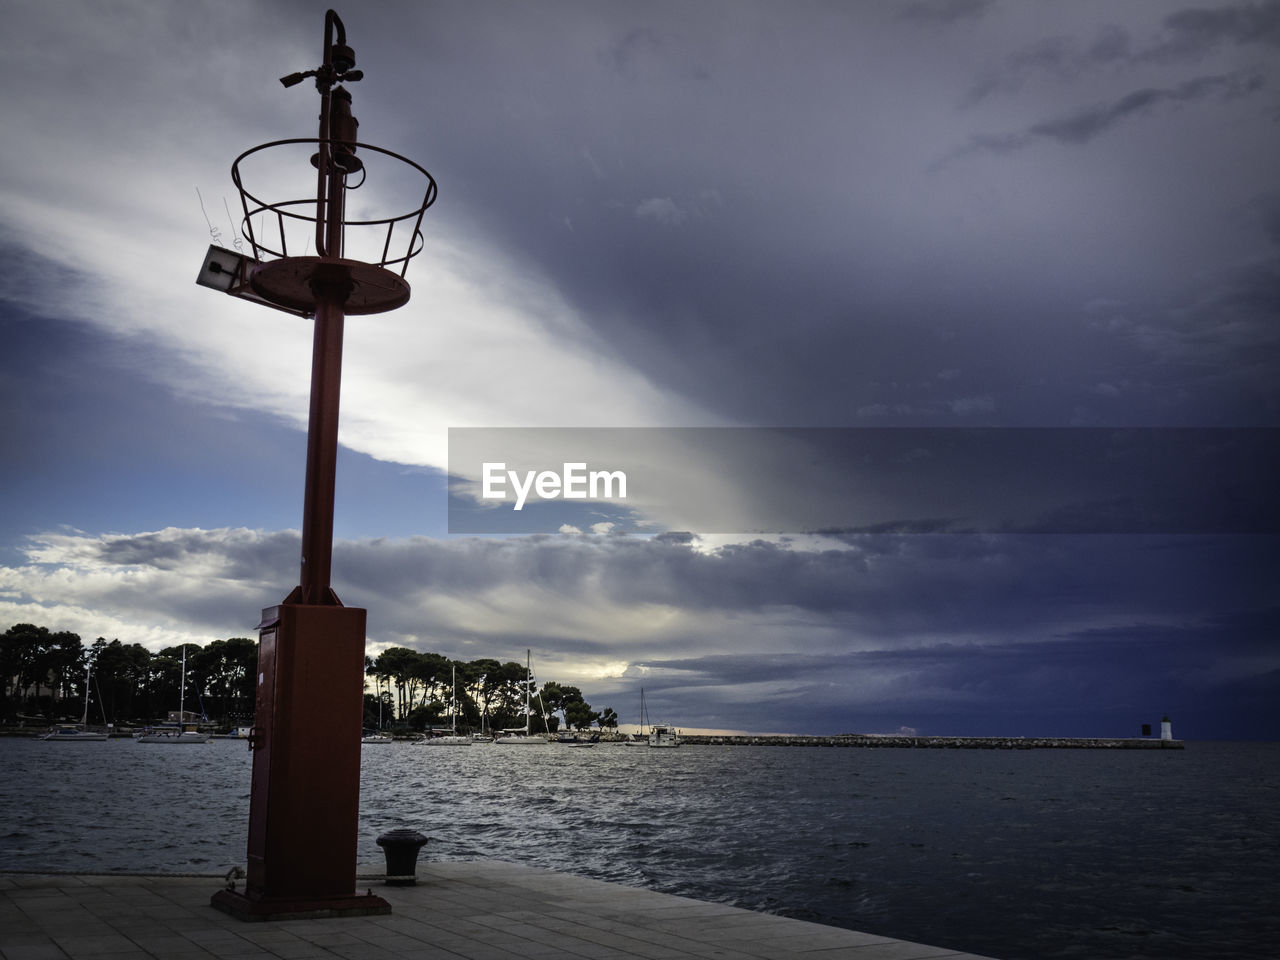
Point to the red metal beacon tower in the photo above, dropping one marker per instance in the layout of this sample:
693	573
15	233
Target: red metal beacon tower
311	259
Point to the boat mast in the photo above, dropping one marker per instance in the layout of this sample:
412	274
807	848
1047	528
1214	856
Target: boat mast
453	703
84	721
182	689
528	681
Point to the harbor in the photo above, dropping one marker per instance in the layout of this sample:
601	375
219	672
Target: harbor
999	853
485	910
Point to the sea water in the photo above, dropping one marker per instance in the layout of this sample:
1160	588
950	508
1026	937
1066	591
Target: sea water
1015	854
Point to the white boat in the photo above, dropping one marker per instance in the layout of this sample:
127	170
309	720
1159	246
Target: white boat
659	735
453	738
664	735
77	733
515	736
73	733
172	734
176	732
377	737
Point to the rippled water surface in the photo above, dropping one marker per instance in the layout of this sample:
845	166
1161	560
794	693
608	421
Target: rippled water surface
1015	854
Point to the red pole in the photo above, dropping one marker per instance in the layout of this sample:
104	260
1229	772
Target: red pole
322	456
331	286
305	795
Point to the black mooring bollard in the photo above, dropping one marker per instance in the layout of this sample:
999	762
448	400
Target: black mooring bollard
401	849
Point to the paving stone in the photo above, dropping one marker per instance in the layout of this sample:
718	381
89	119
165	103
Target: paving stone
473	910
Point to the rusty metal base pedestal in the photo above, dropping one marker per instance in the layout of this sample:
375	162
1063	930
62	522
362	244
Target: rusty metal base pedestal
243	908
305	801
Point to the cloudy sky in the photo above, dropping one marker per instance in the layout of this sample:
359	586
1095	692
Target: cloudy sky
950	214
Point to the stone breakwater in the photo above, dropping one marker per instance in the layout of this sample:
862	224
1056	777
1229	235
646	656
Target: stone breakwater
951	743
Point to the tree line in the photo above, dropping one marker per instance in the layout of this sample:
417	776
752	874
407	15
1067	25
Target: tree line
44	676
417	690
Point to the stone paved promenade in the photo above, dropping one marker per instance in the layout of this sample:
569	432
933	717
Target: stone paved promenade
476	910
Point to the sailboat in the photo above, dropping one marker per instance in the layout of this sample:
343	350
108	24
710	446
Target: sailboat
77	733
484	736
378	737
515	737
642	738
659	735
178	733
453	738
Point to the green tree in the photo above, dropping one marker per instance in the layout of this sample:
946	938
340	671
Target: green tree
480	678
506	692
63	664
567	701
431	673
21	648
227	676
122	673
397	664
41	670
579	715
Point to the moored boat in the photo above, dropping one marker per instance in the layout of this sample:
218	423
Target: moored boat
174	733
664	735
452	738
517	736
77	732
74	734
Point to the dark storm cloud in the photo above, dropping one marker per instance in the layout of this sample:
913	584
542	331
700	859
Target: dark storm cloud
1086	124
1117	677
983	635
242	555
881	586
1220	342
1196	30
732	207
1188	36
875	585
1063	58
